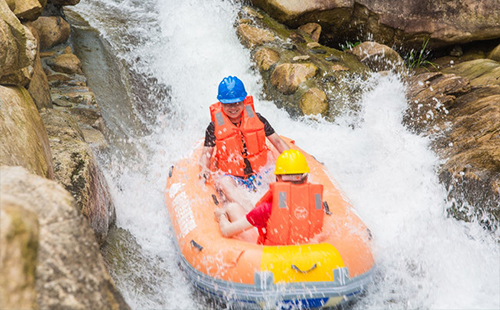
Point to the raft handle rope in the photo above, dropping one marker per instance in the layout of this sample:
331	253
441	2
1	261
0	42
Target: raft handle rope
294	267
327	208
170	171
196	245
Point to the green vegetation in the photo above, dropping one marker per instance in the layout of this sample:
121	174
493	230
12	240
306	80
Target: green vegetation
349	45
418	60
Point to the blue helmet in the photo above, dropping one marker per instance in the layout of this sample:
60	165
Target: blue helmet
231	90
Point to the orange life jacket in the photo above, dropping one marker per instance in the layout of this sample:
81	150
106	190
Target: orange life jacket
229	152
296	216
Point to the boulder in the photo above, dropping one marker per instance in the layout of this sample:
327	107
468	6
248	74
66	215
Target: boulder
313	30
252	36
378	57
23	138
76	168
287	77
18	49
53	30
405	22
314	102
70	271
65	63
38	87
12	42
265	58
462	122
11	4
29	9
23	76
19	239
292	62
479	71
495	54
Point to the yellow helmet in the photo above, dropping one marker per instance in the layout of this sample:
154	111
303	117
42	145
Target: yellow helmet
291	162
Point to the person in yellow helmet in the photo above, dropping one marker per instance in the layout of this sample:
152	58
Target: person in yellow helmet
291	212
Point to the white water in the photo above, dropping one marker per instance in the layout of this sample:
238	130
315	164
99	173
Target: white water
425	260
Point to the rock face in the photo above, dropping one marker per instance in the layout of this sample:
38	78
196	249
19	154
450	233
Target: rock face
38	87
23	139
29	9
459	109
301	75
42	228
70	272
379	57
19	239
403	22
18	49
78	172
53	30
12	42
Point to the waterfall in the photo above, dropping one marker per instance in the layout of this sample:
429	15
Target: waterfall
171	56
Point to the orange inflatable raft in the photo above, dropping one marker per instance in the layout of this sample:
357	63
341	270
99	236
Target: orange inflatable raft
246	273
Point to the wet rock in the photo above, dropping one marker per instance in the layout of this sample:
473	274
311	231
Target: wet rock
29	9
296	38
19	238
70	271
266	58
73	94
18	49
39	86
430	95
332	58
337	67
317	51
313	30
66	63
253	36
301	58
287	77
462	121
312	45
405	23
314	102
76	168
286	84
53	30
24	140
495	54
479	71
378	57
11	4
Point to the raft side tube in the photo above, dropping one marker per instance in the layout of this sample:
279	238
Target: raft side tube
265	290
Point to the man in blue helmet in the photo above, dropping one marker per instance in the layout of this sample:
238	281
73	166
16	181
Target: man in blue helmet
236	140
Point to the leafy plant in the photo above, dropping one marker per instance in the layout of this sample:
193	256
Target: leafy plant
349	45
419	59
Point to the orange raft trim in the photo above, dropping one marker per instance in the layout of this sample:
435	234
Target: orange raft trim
312	275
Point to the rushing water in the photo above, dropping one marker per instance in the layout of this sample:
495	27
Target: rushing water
171	55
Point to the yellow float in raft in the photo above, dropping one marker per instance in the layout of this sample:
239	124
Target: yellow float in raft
236	271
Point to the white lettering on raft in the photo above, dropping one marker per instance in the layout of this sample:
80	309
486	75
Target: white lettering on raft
182	208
